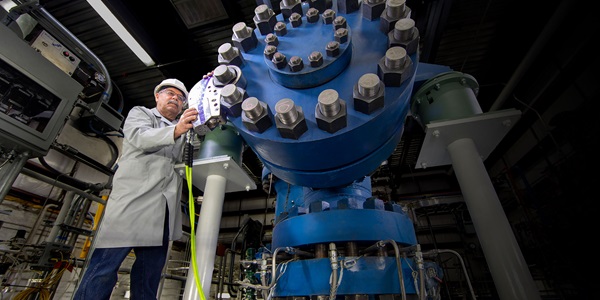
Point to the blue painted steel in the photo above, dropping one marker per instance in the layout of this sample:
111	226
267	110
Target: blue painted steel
368	225
370	275
318	158
353	195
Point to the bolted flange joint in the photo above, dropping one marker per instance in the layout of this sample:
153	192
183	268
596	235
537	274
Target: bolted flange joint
244	37
289	119
316	59
394	11
232	97
257	116
405	35
296	20
288	7
229	55
394	68
331	113
264	19
279	60
368	94
296	64
372	9
312	15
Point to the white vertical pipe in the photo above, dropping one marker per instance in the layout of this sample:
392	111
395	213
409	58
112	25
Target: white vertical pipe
60	219
502	253
207	235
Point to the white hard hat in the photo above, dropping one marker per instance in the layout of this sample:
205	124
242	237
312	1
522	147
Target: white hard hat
172	82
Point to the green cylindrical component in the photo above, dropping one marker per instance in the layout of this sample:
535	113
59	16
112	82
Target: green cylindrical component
223	140
448	96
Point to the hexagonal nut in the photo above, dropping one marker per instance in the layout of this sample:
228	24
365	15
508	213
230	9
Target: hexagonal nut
312	15
272	39
328	16
339	22
247	43
294	130
372	11
262	123
320	5
335	123
280	29
348	6
234	109
333	49
411	45
368	105
316	59
269	51
265	26
341	35
296	64
394	77
287	11
296	20
279	60
386	23
236	59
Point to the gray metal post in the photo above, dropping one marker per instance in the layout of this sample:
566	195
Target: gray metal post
503	255
207	236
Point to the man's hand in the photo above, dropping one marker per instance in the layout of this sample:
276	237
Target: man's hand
185	122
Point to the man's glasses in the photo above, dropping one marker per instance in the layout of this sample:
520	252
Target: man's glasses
171	94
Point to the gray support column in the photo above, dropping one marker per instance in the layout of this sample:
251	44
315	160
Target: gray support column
207	236
503	255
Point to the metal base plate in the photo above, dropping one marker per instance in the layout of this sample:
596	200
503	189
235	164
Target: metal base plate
486	130
237	179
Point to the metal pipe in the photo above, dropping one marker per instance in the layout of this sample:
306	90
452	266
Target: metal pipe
62	215
399	267
10	171
333	258
38	221
61	185
207	236
509	270
462	263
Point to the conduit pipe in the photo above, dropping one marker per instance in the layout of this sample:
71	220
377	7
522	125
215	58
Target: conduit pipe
462	263
382	244
62	215
61	185
38	221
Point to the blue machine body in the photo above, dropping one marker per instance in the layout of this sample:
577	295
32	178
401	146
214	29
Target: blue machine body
319	158
323	189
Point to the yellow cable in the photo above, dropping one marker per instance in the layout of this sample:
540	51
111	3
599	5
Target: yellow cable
188	174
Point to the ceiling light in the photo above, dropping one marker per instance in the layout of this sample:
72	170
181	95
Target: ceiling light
118	28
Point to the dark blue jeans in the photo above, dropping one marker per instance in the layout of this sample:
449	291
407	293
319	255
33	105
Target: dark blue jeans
100	276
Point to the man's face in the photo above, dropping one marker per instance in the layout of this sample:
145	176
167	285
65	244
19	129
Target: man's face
170	102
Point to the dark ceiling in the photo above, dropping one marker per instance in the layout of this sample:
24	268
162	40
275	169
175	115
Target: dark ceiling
524	55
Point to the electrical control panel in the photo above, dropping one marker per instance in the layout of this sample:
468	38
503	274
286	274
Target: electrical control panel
55	52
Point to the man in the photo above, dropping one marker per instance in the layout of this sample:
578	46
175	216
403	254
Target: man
143	211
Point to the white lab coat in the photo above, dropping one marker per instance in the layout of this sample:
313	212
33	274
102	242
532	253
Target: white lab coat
144	183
